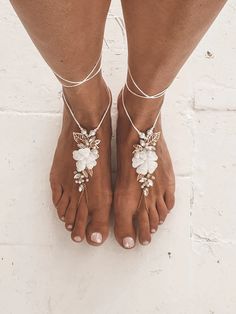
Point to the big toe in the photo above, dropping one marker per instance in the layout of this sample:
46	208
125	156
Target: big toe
98	227
124	230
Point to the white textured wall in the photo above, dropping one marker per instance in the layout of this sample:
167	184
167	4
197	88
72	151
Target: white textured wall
190	267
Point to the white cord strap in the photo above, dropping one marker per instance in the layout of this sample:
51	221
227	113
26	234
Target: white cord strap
143	94
92	74
77	122
131	121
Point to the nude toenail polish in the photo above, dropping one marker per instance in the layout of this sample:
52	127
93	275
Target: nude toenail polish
77	239
69	227
96	237
63	218
145	242
128	242
153	230
161	222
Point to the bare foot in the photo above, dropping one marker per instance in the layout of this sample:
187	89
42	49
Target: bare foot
84	217
129	220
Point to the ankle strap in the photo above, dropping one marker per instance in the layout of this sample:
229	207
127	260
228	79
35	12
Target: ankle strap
143	94
82	129
92	74
140	133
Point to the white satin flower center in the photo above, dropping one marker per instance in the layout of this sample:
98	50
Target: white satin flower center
86	158
145	161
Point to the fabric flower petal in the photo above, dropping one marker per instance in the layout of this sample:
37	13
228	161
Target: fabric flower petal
136	162
91	164
142	169
84	152
75	154
151	166
90	158
152	155
137	155
94	153
80	165
143	154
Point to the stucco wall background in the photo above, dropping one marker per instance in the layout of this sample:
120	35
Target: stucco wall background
190	266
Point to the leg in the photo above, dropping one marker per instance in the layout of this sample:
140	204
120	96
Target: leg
69	35
161	36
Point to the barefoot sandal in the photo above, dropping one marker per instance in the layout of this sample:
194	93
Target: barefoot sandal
87	142
145	158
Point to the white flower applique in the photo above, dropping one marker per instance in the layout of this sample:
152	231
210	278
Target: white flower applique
145	161
85	158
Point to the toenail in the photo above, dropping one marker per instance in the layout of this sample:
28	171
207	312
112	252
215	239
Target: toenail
153	230
77	239
145	243
161	222
69	227
128	242
63	218
96	237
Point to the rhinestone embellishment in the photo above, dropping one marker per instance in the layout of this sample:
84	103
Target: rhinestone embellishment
145	159
85	156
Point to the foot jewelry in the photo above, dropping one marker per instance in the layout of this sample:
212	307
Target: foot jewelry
145	159
88	148
87	142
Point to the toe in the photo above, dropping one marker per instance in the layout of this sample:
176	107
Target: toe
56	192
70	215
62	206
98	227
169	199
81	218
153	219
144	227
124	230
162	210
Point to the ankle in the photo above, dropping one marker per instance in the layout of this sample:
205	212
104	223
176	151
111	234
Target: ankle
88	94
142	111
89	100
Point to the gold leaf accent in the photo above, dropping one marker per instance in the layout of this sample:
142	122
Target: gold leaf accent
154	138
78	137
157	135
97	142
92	139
